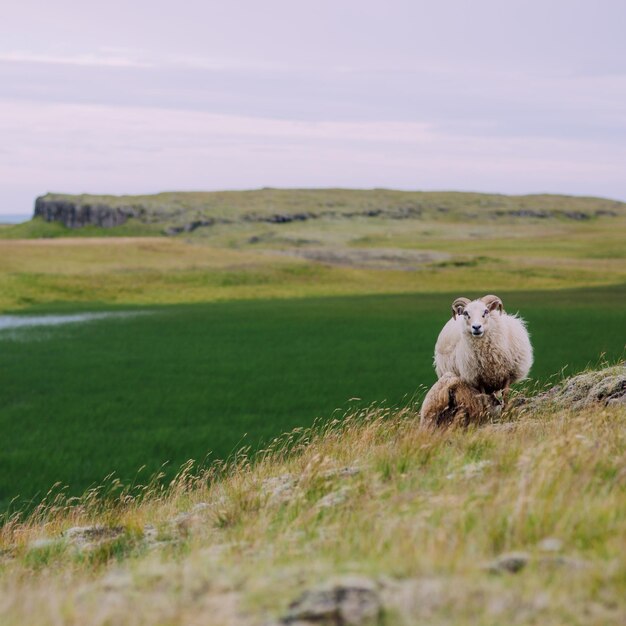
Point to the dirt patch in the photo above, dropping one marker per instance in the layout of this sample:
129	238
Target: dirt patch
370	258
82	241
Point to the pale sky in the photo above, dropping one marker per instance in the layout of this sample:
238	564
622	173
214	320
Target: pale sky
511	96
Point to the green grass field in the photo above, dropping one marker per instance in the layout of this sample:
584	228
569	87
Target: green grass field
179	382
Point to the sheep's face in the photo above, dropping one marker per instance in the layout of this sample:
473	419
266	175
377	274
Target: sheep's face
476	315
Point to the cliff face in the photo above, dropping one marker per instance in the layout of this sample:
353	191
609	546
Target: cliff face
77	215
184	212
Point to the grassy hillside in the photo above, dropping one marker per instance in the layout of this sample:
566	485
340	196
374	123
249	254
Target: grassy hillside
519	522
38	228
211	213
180	382
268	201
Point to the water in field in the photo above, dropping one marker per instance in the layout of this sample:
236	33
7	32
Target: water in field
13	322
13	218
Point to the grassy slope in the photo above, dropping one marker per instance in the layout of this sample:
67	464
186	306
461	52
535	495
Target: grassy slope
423	515
37	228
158	211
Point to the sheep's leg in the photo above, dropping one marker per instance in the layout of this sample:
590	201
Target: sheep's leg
501	397
505	395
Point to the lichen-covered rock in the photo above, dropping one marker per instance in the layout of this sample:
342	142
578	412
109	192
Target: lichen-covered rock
470	470
76	215
44	543
342	472
563	561
84	537
150	533
512	563
279	489
550	544
334	498
350	601
606	386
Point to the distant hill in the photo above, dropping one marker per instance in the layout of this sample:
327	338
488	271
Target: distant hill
172	213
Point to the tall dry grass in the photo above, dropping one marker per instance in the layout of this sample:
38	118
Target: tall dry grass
370	493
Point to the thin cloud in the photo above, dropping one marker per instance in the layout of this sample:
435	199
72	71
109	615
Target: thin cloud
90	59
127	58
78	148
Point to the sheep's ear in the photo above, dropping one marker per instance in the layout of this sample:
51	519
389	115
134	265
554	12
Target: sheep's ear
458	306
493	303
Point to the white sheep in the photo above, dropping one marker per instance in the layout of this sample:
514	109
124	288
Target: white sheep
484	346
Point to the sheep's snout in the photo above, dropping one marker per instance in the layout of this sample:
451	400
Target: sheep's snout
478	330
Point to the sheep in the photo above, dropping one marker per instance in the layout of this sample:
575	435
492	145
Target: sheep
484	346
452	401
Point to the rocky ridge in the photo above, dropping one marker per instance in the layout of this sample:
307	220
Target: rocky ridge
76	215
108	212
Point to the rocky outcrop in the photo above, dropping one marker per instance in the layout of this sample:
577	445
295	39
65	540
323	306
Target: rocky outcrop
191	226
76	214
181	213
545	214
448	402
350	601
606	386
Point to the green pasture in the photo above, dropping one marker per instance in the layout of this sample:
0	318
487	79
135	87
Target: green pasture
80	401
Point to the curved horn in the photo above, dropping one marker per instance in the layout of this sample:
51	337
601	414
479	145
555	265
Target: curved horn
459	305
492	303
